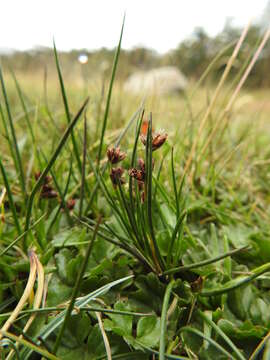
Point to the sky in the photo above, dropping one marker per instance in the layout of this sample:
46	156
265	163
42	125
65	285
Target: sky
91	24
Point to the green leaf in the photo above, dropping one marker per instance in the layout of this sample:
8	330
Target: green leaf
148	331
57	291
95	343
259	312
67	265
69	237
245	331
119	324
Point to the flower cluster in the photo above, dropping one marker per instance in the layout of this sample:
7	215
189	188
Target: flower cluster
70	204
158	139
114	156
116	176
47	191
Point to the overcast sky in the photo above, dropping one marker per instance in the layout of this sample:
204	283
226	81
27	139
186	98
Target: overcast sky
91	24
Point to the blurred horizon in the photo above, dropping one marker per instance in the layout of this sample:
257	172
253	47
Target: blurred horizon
95	25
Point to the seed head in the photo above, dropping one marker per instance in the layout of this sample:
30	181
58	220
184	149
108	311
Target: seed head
47	178
116	176
49	194
70	204
139	175
158	139
115	155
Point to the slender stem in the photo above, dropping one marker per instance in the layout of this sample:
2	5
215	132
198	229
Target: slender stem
204	262
108	102
222	334
83	165
65	101
148	189
163	327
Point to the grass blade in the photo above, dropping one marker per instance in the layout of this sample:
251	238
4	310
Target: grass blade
18	162
108	102
27	291
29	345
81	302
237	282
211	341
83	166
221	333
174	184
163	321
178	225
19	91
48	167
7	136
65	101
148	189
14	242
63	204
204	262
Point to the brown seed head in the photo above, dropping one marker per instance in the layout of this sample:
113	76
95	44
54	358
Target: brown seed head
37	175
49	194
158	139
46	188
115	155
137	174
116	176
46	180
70	204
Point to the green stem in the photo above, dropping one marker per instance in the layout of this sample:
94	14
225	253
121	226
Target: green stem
163	327
108	102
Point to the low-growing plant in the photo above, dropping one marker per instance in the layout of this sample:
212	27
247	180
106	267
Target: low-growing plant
156	249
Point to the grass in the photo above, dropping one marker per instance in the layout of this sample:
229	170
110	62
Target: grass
179	268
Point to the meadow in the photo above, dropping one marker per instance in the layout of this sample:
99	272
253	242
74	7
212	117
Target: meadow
132	227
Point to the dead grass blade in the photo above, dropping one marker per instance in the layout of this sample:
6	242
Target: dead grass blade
214	98
105	338
27	291
237	90
37	301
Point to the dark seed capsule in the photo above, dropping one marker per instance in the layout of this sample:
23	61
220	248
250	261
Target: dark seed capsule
115	155
116	176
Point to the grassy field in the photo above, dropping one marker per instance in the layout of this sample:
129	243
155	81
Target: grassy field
159	250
